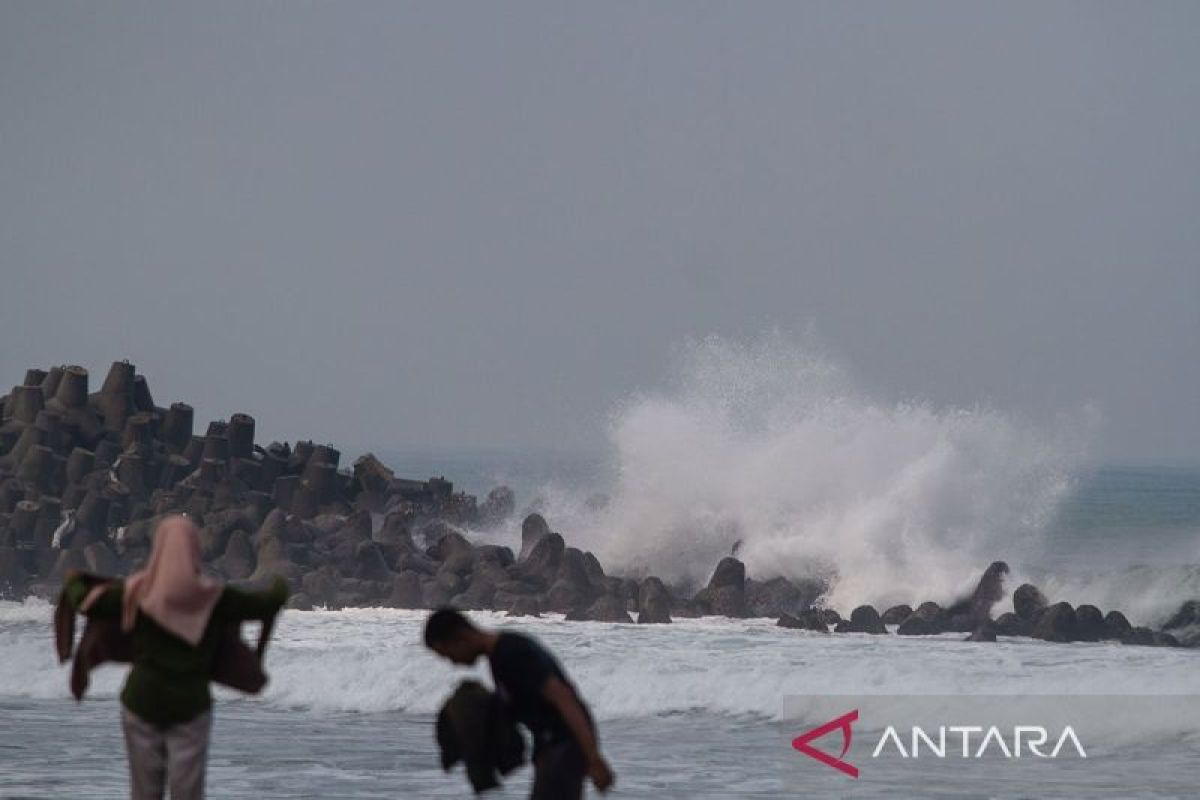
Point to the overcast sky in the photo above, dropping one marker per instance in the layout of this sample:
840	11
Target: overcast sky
483	224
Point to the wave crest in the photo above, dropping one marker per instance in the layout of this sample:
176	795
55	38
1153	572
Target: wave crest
773	445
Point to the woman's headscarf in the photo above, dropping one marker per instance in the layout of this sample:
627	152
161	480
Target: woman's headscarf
172	590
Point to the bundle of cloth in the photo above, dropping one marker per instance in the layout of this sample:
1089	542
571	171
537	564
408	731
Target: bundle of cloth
236	664
474	727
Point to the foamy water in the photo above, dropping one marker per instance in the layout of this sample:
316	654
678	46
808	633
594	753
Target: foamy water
695	709
371	660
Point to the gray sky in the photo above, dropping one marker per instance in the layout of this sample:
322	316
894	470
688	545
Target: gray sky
484	224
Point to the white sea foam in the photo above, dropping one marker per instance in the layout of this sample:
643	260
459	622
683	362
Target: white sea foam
371	660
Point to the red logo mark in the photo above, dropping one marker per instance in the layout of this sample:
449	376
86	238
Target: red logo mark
842	723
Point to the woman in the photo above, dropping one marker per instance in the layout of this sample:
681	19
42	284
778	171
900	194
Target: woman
174	614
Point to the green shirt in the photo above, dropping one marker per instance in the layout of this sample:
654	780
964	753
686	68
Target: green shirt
169	682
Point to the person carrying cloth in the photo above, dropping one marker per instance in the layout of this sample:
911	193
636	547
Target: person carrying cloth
540	696
174	616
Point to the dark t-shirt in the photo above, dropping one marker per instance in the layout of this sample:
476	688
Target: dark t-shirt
520	669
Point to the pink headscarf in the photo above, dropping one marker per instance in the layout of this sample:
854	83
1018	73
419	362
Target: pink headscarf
172	590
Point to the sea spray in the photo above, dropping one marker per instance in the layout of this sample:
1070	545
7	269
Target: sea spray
1148	594
772	446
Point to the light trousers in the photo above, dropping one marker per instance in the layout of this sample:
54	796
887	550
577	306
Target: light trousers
162	757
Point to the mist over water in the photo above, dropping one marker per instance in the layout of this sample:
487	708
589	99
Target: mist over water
773	444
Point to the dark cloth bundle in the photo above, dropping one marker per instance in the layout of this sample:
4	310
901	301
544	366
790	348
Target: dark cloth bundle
235	666
474	727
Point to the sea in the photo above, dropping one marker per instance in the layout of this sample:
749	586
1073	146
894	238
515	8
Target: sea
701	708
774	451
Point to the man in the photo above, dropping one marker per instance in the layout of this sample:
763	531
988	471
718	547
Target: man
539	695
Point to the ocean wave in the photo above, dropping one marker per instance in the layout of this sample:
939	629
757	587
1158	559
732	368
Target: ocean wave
371	660
773	447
